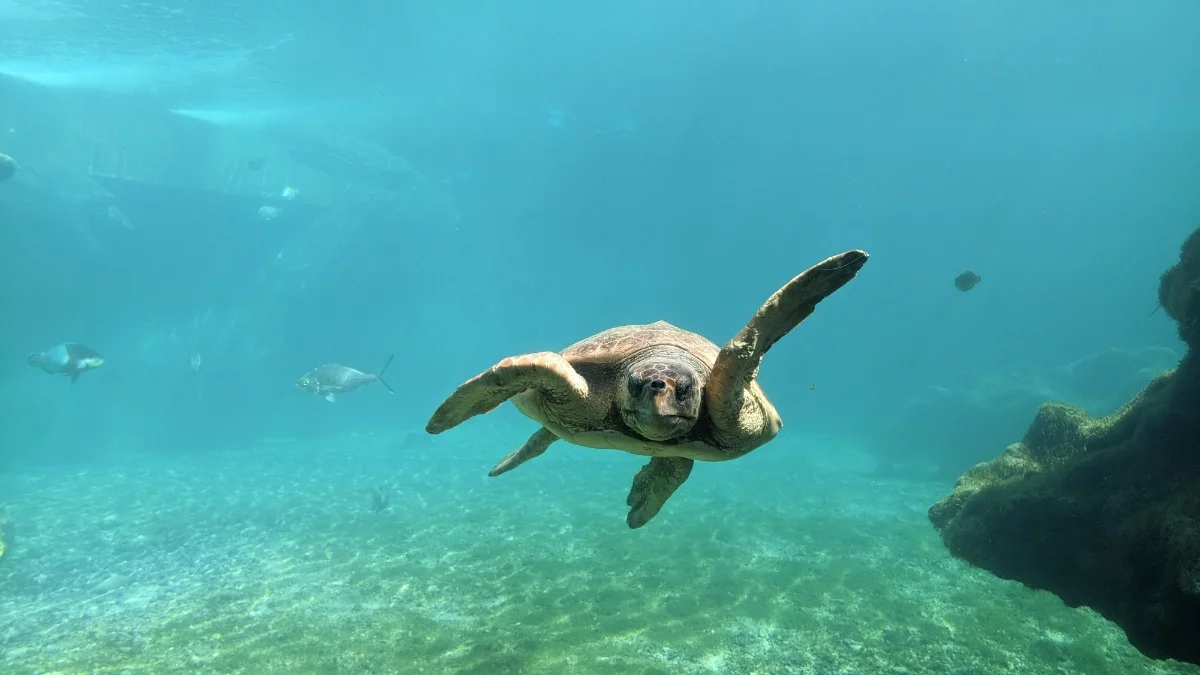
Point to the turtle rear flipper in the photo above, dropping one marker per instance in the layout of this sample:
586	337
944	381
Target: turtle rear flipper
653	485
536	445
547	372
737	363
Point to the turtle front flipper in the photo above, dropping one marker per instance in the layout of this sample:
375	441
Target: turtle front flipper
545	371
737	363
536	445
653	485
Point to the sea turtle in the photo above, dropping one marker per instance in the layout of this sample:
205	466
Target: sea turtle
653	390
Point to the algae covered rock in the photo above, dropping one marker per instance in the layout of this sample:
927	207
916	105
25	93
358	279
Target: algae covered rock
1179	291
1103	512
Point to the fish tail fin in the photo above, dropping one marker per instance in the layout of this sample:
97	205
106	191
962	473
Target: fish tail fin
379	375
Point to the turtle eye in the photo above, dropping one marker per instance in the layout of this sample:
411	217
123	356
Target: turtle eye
635	386
682	389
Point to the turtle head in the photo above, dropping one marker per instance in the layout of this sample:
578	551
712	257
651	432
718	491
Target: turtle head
661	396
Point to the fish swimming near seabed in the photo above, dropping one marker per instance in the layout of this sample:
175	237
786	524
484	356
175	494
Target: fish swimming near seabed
380	499
68	359
332	380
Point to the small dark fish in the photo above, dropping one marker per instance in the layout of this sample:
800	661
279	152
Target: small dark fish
256	163
966	281
68	359
380	499
331	379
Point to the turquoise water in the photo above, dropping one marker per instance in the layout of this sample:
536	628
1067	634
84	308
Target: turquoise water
218	198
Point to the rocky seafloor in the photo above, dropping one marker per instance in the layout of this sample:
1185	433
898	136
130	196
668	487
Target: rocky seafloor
271	559
1103	511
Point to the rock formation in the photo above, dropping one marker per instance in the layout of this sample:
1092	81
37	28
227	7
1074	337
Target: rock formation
1103	512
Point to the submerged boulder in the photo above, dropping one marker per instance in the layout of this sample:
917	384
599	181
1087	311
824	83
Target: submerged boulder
1103	512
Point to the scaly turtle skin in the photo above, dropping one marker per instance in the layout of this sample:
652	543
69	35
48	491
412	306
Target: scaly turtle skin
653	390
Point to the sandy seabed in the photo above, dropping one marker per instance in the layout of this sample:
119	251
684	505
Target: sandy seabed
272	560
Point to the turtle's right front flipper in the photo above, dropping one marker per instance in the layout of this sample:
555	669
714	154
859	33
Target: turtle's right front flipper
546	371
737	363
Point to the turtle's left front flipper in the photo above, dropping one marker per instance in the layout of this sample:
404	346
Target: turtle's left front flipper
738	362
653	485
546	371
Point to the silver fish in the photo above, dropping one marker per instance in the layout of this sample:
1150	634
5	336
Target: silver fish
332	379
68	359
8	167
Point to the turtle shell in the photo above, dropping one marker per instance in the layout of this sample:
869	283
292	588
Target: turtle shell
618	344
